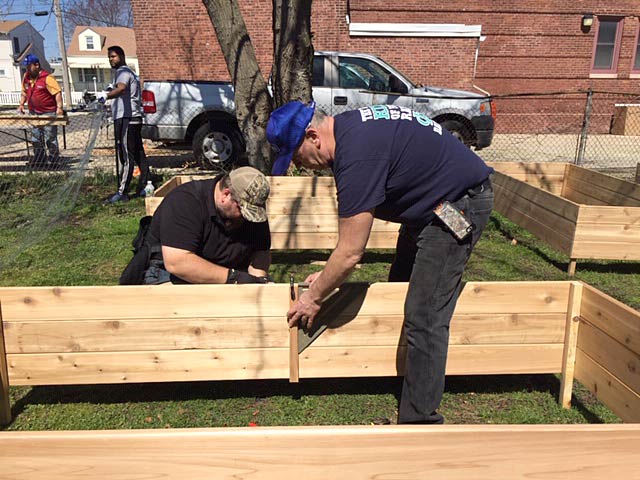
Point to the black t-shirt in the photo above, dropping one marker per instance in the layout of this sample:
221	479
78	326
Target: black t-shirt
187	219
401	163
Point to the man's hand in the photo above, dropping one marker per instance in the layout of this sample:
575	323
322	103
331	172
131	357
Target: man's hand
59	111
312	278
238	276
101	97
21	109
304	311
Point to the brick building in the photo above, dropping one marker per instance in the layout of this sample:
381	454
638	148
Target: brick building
503	47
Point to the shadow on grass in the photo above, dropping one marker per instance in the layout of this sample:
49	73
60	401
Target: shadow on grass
176	392
526	243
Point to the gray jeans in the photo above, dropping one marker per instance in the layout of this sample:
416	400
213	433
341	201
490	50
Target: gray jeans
433	261
45	139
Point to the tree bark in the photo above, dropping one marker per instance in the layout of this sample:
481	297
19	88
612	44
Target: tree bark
252	99
292	51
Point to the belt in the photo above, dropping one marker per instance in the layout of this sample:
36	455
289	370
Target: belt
480	187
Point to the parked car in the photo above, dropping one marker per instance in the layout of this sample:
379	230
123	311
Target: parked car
203	113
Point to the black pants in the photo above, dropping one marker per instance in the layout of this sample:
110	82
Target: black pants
433	261
130	152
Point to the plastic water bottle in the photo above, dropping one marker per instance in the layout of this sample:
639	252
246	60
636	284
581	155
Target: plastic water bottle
149	189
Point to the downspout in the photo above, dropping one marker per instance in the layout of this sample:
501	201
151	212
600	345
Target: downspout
475	65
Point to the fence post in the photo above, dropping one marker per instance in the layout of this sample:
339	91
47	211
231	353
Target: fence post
582	144
5	405
638	173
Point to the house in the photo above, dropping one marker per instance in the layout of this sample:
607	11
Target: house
497	46
87	55
17	39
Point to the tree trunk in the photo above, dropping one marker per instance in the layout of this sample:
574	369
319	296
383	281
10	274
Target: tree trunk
252	99
292	51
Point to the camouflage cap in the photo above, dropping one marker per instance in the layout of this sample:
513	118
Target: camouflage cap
251	189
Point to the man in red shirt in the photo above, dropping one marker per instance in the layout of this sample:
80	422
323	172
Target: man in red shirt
43	96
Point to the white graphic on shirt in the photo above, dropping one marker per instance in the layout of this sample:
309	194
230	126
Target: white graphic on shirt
394	112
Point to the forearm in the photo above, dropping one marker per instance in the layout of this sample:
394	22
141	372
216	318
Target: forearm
341	263
58	98
23	98
193	268
117	91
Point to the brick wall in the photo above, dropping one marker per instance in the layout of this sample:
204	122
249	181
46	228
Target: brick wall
530	45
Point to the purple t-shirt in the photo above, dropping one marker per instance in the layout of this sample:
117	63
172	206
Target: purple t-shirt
401	163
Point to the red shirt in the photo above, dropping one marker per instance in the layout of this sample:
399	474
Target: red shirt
39	99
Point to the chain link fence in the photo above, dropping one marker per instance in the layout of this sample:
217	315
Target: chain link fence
43	161
598	130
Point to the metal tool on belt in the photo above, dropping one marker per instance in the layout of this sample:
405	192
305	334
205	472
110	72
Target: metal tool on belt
339	307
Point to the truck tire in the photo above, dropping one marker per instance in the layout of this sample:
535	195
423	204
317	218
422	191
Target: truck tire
458	130
218	147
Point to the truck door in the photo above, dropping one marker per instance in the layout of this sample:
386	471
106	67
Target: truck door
362	82
351	88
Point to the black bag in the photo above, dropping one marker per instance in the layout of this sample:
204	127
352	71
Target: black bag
133	273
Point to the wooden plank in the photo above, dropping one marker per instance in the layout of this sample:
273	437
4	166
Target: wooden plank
605	187
151	204
294	358
513	297
295	240
619	398
602	195
538	221
608	233
582	198
25	121
486	329
34	336
331	362
614	357
160	366
613	251
319	223
113	335
452	452
570	343
515	188
123	302
5	404
299	206
613	317
530	169
603	215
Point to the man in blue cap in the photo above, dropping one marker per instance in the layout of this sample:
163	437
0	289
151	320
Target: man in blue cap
43	96
398	165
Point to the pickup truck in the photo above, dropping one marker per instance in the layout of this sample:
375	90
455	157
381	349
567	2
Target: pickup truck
203	112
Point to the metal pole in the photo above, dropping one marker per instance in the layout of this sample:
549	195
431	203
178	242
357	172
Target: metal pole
582	144
63	53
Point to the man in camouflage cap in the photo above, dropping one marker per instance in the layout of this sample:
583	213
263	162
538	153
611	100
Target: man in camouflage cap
212	231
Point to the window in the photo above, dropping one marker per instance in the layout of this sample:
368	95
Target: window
89	40
3	73
362	74
635	68
87	74
607	45
318	71
16	45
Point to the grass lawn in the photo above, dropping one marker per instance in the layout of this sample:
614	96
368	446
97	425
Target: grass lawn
92	246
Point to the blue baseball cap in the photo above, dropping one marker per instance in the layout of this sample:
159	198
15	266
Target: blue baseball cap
29	59
285	131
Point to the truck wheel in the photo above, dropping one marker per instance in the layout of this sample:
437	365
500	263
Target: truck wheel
458	130
216	148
